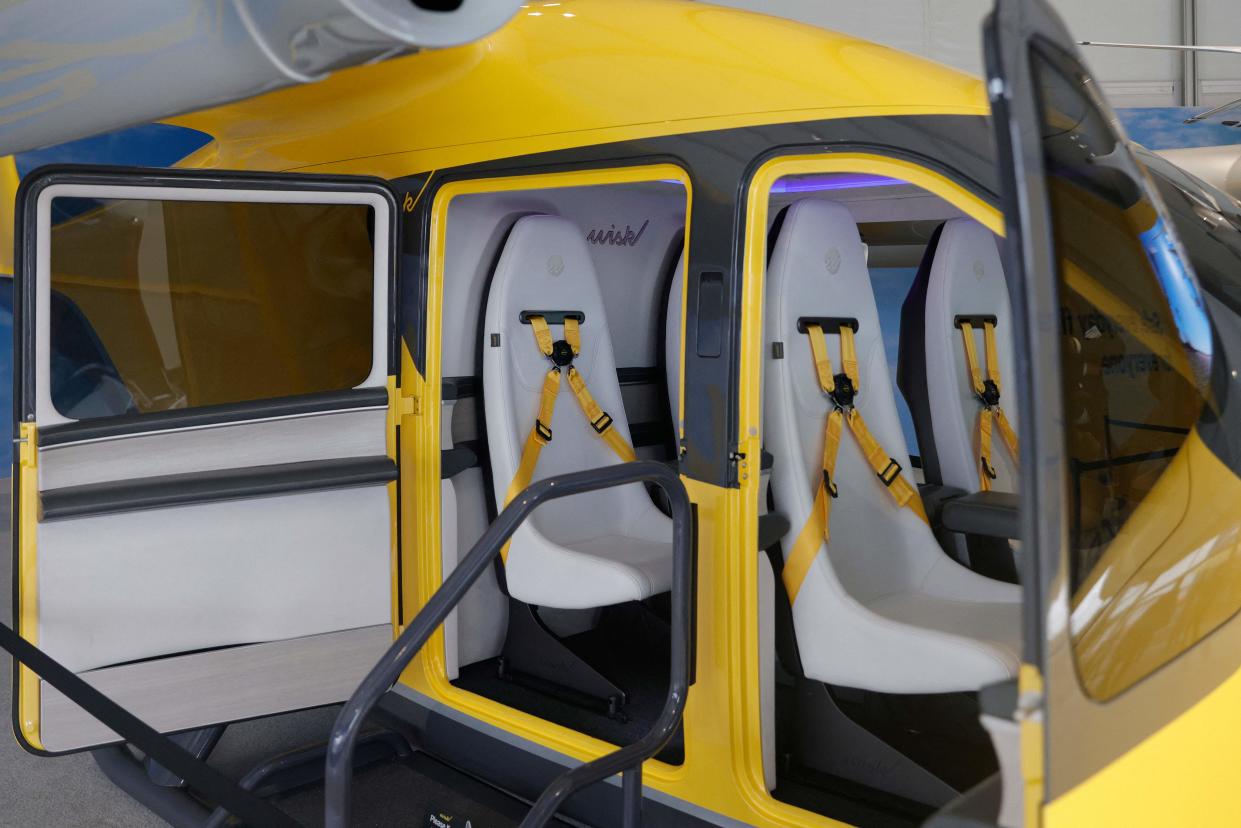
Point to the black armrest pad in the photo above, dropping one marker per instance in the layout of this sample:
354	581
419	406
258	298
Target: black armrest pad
453	461
934	496
993	514
771	528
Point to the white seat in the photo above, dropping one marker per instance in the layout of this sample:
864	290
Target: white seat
883	608
589	550
961	275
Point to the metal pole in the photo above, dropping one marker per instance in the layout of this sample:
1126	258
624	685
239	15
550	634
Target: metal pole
1189	58
631	794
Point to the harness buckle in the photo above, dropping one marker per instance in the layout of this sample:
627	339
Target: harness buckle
562	353
829	486
603	423
542	430
844	392
990	395
890	472
986	468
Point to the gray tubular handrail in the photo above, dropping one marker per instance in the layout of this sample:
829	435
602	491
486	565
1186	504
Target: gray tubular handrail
382	677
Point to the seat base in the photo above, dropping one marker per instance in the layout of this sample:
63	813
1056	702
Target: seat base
820	736
533	652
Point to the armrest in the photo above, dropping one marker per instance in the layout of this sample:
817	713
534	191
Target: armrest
934	496
993	514
771	528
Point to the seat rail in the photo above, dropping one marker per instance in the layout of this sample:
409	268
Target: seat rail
626	760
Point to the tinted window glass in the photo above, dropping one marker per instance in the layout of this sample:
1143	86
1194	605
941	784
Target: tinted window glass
173	304
1137	352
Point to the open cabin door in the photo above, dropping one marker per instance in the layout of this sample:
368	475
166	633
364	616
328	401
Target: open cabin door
204	487
1127	467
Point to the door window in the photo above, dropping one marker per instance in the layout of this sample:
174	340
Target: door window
163	304
1137	355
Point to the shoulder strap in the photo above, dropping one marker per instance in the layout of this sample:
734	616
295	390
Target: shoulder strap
841	389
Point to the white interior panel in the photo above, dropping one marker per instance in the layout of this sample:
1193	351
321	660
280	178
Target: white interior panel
202	689
630	276
333	436
116	588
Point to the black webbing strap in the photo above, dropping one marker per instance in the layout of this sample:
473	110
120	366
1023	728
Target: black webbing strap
205	779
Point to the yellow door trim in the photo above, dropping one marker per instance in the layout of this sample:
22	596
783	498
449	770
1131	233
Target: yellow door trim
743	665
421	516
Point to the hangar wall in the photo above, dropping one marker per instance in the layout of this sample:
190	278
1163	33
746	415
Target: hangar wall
949	31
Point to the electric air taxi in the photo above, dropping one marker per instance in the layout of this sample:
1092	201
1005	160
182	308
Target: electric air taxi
729	421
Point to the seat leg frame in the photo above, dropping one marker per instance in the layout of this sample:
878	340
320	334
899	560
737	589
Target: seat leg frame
535	656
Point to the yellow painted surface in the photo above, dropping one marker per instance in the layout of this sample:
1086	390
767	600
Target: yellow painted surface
8	192
27	607
1183	775
582	72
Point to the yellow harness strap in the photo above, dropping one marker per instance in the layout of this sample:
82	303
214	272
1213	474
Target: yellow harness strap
817	529
541	433
990	410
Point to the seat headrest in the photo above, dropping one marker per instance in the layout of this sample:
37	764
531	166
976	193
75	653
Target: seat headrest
818	267
969	260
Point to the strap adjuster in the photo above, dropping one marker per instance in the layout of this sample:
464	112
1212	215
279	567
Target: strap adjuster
542	430
562	353
890	472
986	468
828	485
844	392
603	423
990	394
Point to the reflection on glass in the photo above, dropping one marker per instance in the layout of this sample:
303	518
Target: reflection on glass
1138	367
160	305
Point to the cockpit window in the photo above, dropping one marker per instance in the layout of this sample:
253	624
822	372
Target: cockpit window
1138	351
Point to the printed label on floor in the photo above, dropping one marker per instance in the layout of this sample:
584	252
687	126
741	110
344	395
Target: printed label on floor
442	819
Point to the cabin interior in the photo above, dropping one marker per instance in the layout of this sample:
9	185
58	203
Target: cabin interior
931	607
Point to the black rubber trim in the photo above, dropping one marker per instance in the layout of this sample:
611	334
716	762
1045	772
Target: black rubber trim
207	487
977	320
455	460
991	514
552	317
911	377
130	424
829	324
639	375
459	388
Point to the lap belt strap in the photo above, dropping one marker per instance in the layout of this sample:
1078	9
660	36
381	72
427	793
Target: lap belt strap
988	393
841	389
561	354
203	778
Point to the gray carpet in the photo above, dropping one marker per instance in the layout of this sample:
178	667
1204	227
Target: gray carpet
70	791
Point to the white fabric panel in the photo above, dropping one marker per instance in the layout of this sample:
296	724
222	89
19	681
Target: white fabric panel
595	549
884	608
630	275
966	278
233	446
767	667
448	562
672	344
482	615
227	685
122	587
